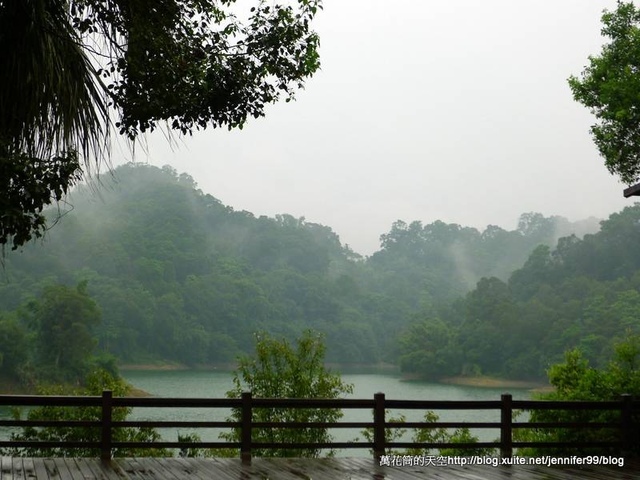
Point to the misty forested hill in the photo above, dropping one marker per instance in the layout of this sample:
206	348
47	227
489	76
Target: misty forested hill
584	293
179	276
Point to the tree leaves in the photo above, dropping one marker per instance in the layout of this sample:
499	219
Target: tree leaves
609	87
194	63
575	379
28	185
67	66
280	370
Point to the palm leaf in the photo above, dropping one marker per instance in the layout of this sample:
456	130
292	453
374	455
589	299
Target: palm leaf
51	98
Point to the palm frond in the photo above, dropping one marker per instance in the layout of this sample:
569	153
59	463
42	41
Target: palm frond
51	98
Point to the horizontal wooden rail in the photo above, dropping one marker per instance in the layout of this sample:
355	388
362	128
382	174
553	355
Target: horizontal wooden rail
378	405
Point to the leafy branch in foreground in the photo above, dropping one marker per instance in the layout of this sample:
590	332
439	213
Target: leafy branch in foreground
68	65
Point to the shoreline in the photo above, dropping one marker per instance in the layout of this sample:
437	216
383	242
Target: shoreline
9	387
231	367
171	367
493	382
464	381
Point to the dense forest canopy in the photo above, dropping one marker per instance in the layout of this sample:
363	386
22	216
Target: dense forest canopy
168	272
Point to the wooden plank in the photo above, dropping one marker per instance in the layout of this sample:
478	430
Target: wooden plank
152	468
367	467
28	468
343	468
40	469
536	471
106	470
168	466
52	469
141	468
286	467
63	469
221	468
592	472
172	469
193	469
357	468
396	473
233	468
260	468
5	468
363	464
224	469
15	467
127	467
74	468
134	470
161	468
325	468
85	470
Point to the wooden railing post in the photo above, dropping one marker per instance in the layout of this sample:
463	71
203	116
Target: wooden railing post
379	439
245	432
626	423
506	419
105	437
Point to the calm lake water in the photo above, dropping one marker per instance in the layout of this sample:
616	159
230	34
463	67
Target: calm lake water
215	384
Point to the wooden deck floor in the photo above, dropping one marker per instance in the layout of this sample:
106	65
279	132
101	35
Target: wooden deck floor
286	469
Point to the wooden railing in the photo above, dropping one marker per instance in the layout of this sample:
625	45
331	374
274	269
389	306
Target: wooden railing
624	426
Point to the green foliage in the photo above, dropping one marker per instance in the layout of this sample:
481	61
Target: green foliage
582	294
463	435
426	348
50	338
179	276
28	185
190	63
13	345
95	383
609	87
280	370
443	435
394	434
192	452
63	320
54	112
428	435
576	380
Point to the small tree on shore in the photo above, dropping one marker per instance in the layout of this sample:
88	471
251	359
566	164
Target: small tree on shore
282	370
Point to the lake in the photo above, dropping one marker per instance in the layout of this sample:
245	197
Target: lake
215	384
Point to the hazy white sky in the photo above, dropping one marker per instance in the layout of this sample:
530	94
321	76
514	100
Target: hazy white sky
423	110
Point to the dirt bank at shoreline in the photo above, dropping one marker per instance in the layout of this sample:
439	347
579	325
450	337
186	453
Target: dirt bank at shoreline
166	367
492	382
